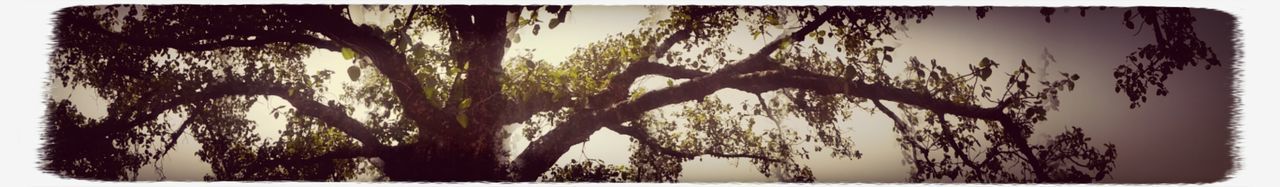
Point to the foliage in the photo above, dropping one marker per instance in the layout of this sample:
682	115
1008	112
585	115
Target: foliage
437	109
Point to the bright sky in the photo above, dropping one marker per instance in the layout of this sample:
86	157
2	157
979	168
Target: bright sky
1183	136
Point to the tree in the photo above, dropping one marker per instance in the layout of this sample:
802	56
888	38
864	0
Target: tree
438	112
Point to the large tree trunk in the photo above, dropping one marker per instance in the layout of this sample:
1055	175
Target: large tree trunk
469	147
462	159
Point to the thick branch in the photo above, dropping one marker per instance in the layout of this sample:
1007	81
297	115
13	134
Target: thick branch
332	116
407	88
481	53
618	84
542	153
824	84
336	118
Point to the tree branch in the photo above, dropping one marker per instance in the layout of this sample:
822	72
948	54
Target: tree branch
340	153
1012	130
618	84
404	84
643	136
332	116
261	37
951	142
542	153
173	138
833	85
481	56
799	35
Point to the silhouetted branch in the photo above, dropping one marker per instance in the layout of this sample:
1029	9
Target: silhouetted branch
332	116
543	152
173	138
950	140
799	35
211	41
408	20
340	153
1013	130
260	39
641	135
618	85
404	84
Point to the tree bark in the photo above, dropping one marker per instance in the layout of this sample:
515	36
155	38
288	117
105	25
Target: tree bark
454	143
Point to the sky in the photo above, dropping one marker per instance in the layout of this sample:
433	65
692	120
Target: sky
1185	136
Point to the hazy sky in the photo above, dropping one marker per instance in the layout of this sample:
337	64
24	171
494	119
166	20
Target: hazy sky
1181	137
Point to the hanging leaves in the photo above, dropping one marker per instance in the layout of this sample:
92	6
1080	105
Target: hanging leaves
560	12
983	70
982	11
1128	22
1047	12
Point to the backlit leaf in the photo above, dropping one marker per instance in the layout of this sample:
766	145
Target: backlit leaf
348	54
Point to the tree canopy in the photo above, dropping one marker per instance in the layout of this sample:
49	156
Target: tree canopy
439	112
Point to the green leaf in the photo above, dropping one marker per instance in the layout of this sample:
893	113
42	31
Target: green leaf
670	83
454	71
555	22
430	92
466	103
636	95
462	120
786	42
348	54
462	112
772	20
